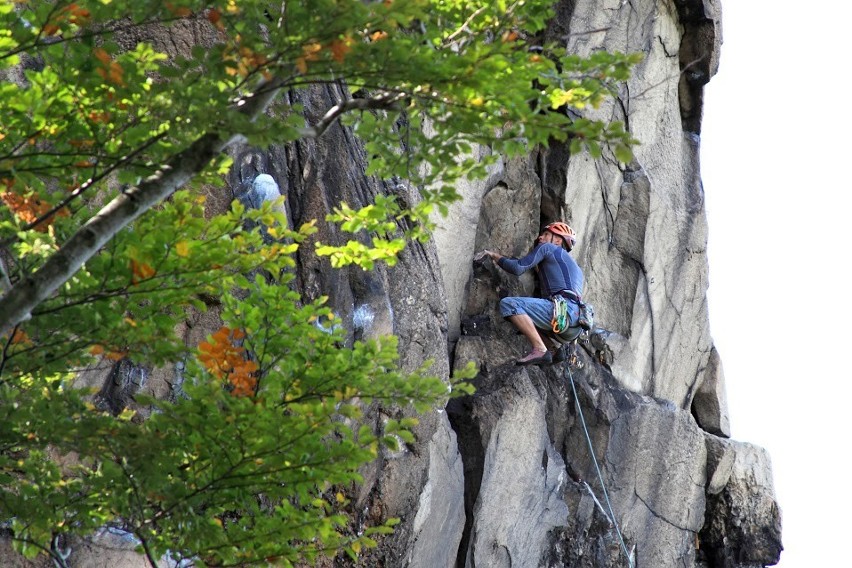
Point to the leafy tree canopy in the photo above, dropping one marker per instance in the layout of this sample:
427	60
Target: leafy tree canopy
99	125
94	106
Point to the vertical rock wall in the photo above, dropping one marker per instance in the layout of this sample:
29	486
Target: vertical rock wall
422	485
665	483
622	454
642	228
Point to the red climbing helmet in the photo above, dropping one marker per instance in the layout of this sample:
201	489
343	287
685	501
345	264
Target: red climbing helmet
564	231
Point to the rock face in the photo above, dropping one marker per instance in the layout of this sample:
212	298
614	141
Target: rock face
650	384
621	457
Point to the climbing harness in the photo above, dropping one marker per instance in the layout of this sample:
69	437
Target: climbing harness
611	514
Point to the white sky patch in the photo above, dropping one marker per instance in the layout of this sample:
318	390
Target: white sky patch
774	155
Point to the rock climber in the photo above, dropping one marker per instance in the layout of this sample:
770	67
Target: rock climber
558	274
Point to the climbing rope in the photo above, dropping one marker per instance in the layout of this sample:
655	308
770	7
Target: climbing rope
597	468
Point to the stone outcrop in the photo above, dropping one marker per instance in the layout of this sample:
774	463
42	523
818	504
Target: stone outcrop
743	523
652	385
621	454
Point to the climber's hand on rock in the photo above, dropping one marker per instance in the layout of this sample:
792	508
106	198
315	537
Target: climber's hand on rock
482	255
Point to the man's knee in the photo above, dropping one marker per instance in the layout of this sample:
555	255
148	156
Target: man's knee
509	307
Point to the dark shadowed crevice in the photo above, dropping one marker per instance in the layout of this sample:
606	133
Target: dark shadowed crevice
552	170
698	60
124	380
459	412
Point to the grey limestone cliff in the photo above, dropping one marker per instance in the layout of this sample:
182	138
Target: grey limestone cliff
651	387
510	475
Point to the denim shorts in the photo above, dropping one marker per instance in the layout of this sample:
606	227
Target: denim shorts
539	310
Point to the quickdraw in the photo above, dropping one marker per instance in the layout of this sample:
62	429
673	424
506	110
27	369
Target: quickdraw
561	320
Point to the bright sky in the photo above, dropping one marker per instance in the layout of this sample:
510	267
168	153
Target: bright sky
774	157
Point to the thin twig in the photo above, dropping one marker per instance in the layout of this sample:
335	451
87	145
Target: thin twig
335	112
666	79
587	32
463	27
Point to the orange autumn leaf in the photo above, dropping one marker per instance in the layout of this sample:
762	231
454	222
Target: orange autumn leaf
79	15
252	57
214	16
96	350
247	61
220	354
116	355
96	116
311	51
241	378
20	337
74	13
141	271
116	75
339	49
71	13
226	361
179	11
30	208
379	35
112	73
102	55
241	60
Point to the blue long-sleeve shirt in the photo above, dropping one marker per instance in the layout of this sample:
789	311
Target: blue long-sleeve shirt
557	271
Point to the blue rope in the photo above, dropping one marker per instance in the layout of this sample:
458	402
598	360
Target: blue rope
597	468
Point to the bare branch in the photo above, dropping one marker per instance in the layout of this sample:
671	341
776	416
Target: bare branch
5	282
335	112
586	32
464	26
667	78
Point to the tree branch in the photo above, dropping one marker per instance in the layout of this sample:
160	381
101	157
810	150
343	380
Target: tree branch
5	282
383	102
464	26
17	304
